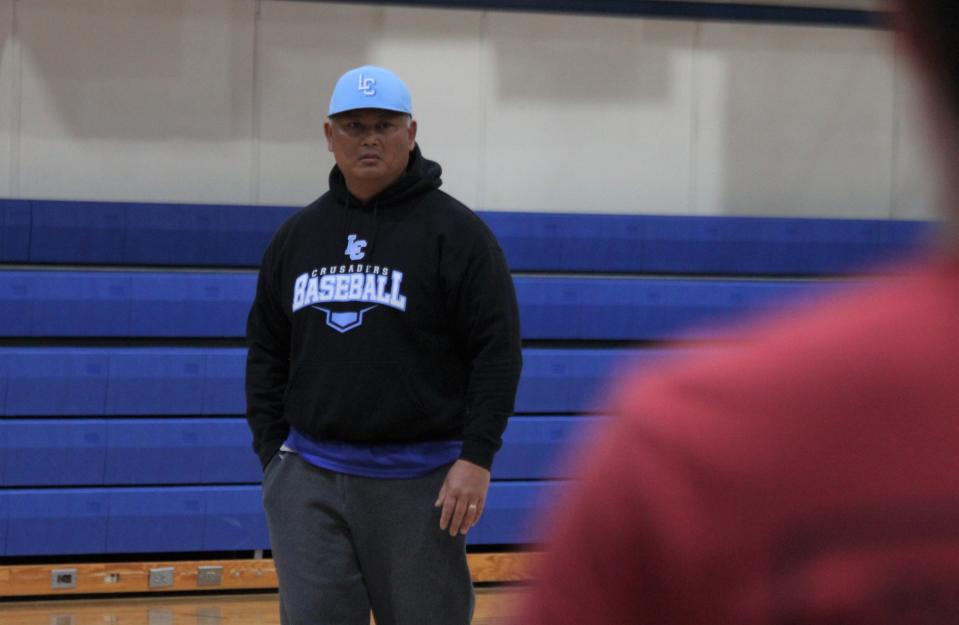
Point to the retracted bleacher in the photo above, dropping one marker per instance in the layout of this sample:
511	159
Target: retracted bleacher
121	362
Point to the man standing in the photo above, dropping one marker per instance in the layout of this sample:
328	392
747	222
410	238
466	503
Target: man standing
384	356
811	476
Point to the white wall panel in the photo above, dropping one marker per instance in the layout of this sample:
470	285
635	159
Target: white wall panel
303	48
804	124
438	55
587	114
915	182
9	98
197	101
137	99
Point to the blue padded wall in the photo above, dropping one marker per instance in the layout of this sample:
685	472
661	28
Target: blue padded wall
78	303
225	452
709	245
648	309
98	303
52	452
93	452
158	381
150	234
143	449
213	235
538	447
55	381
15	217
173	381
144	304
574	380
156	519
178	234
4	520
138	381
154	451
4	367
45	522
235	520
223	390
761	245
511	512
83	232
120	451
180	451
222	518
193	304
17	293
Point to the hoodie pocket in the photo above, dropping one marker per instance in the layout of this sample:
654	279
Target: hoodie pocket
362	399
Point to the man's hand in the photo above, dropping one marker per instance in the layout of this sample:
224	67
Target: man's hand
462	496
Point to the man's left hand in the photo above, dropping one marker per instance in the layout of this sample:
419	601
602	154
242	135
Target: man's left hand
462	497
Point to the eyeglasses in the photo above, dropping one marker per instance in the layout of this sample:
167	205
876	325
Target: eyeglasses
357	129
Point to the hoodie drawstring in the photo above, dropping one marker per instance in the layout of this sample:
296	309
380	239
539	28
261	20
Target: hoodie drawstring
348	220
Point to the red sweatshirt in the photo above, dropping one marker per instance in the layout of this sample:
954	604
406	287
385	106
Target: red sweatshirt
809	476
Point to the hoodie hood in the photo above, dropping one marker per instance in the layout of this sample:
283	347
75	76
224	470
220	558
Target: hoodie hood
421	175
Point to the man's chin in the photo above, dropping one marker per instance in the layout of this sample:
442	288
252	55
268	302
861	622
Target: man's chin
369	173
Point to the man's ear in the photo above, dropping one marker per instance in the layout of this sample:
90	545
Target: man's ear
412	134
328	131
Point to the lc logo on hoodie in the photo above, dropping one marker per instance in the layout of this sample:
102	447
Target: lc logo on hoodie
354	248
353	283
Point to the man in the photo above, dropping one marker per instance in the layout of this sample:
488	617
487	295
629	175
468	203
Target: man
384	356
811	476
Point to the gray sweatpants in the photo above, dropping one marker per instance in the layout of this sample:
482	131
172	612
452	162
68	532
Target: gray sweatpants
344	544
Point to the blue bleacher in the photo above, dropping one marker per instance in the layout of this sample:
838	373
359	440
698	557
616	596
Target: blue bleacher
172	450
51	382
224	453
45	522
201	235
234	519
111	448
156	519
507	518
53	452
83	232
159	381
197	304
199	518
112	233
223	385
179	451
151	381
17	294
538	447
4	520
214	235
648	309
697	245
15	216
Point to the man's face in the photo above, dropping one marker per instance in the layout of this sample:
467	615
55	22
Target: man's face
371	147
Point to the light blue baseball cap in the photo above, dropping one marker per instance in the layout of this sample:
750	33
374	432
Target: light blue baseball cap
370	87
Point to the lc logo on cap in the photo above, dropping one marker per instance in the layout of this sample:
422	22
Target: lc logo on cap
366	85
370	87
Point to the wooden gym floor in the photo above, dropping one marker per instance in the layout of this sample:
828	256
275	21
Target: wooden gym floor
494	606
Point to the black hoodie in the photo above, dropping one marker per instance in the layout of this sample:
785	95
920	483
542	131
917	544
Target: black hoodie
390	321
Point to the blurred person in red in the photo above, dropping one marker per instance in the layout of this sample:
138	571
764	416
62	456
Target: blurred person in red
808	476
